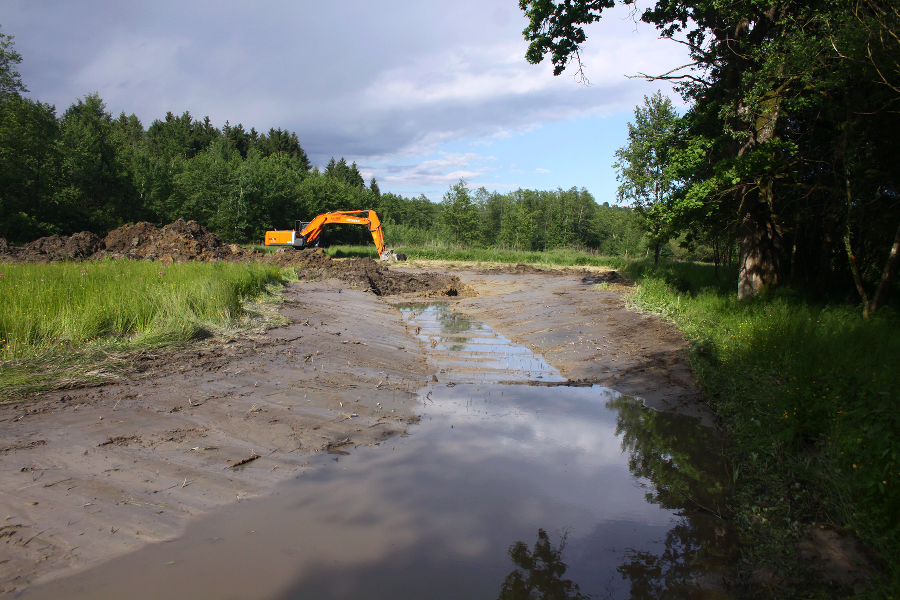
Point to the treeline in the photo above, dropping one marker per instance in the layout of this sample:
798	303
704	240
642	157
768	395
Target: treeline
88	170
520	220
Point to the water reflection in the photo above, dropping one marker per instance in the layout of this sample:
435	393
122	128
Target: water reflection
438	514
465	350
684	470
451	324
539	573
678	463
681	458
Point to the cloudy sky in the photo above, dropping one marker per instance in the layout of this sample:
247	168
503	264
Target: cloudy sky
418	93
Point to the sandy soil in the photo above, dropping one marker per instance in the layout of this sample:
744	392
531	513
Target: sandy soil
589	334
92	473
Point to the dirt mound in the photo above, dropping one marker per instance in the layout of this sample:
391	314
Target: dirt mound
313	258
176	242
612	277
376	277
7	252
53	248
523	269
371	275
128	237
82	245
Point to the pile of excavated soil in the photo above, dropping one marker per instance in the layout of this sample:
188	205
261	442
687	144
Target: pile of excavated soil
523	269
381	281
612	277
52	248
176	242
313	258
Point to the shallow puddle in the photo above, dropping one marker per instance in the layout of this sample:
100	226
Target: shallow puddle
501	490
466	351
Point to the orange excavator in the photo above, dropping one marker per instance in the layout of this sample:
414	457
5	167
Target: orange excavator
306	234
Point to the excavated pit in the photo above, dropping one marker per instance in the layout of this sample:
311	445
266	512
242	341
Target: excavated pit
380	280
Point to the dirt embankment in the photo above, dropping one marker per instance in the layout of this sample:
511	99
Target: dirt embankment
382	281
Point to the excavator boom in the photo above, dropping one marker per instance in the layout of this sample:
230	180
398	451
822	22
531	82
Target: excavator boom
308	233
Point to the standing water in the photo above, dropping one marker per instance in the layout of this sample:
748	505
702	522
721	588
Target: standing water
503	490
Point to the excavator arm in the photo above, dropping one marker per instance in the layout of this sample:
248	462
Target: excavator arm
313	229
307	233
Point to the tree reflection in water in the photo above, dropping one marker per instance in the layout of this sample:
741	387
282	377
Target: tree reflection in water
676	460
674	457
453	326
539	573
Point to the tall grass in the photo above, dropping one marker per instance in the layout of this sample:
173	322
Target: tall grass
808	394
66	309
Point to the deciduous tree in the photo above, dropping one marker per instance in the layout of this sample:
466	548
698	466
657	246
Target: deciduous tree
10	80
787	128
459	213
646	181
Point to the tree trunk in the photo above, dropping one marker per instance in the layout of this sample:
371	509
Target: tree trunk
656	247
857	279
760	244
760	253
794	249
854	268
716	254
887	275
826	251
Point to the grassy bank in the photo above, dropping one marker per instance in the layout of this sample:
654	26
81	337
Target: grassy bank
807	394
561	257
58	320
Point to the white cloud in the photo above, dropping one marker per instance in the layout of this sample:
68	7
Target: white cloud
459	75
443	171
542	171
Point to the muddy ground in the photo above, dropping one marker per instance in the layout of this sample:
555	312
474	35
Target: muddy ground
91	473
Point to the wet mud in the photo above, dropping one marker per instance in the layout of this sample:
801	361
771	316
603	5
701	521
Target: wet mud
589	334
376	277
500	488
90	474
